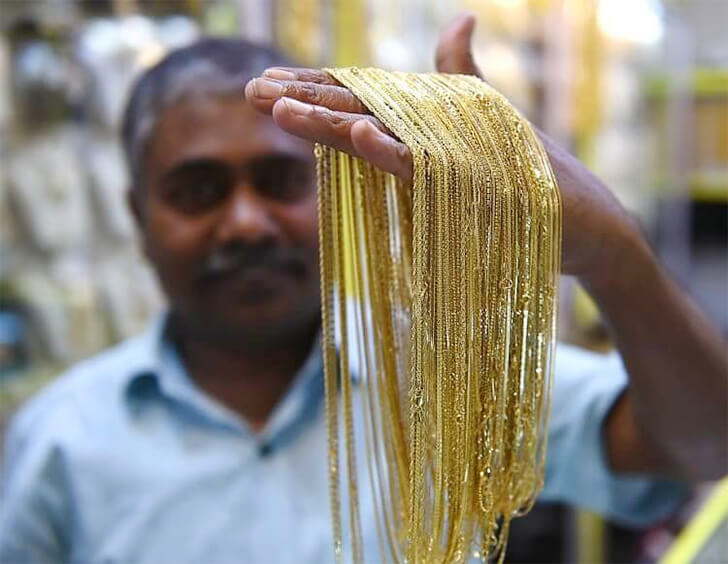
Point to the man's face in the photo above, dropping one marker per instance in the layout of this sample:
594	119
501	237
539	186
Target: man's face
228	215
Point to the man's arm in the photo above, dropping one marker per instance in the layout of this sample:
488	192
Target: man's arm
672	420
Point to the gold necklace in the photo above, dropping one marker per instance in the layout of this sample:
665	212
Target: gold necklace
449	289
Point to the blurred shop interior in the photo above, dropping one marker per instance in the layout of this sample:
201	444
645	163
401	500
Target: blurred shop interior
637	89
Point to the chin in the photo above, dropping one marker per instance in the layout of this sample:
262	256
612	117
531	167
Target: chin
264	321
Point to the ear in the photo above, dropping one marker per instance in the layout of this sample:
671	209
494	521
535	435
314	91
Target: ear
135	201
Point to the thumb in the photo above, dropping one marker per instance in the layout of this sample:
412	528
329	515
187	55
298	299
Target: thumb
453	53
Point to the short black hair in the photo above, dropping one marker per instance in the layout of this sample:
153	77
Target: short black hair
208	66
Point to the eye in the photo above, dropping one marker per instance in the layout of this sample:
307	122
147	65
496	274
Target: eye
283	179
197	198
197	191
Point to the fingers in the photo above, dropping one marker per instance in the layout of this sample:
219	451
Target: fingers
262	93
453	53
382	150
317	123
317	76
359	135
311	104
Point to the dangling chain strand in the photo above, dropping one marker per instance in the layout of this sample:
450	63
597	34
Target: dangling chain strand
441	296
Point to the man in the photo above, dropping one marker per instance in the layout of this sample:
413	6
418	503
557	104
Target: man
204	440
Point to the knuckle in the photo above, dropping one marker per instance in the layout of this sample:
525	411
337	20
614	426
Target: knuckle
329	118
338	125
331	99
308	75
309	92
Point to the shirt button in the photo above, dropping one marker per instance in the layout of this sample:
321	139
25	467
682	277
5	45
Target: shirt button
265	450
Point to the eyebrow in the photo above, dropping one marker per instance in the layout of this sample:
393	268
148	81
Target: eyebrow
196	164
279	157
186	166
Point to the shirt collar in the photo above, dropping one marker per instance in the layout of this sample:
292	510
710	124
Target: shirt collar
158	372
147	349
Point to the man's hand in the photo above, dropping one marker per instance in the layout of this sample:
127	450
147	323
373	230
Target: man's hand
311	104
672	420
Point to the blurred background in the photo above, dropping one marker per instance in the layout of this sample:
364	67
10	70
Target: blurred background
638	89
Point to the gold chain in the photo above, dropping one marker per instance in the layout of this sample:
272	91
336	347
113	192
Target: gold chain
444	293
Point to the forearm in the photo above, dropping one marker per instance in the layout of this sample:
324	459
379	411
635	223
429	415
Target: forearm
674	416
672	420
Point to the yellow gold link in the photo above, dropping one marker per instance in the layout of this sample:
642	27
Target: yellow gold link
450	287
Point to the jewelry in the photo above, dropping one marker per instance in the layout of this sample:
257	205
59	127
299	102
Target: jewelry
443	296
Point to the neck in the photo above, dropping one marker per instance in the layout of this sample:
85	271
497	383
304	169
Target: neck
249	378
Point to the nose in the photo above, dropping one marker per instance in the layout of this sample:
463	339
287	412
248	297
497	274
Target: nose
247	218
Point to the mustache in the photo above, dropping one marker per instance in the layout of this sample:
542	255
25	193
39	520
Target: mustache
240	256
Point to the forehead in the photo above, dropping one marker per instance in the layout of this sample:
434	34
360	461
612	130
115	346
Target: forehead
218	127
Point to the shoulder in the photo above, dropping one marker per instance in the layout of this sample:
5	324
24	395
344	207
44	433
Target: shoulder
79	398
66	420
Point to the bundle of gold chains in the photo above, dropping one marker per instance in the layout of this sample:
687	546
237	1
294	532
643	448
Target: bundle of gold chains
441	297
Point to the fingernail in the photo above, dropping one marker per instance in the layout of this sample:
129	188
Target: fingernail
279	74
375	130
265	88
296	107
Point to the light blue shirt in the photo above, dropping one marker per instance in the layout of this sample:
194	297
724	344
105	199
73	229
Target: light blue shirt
124	459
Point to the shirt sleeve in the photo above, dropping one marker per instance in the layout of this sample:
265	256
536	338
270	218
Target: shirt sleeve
586	386
34	513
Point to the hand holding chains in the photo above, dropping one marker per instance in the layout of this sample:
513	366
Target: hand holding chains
442	297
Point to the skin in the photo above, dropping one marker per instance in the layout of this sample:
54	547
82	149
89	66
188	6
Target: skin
672	419
219	176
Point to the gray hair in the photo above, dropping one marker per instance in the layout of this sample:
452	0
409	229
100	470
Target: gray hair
216	66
